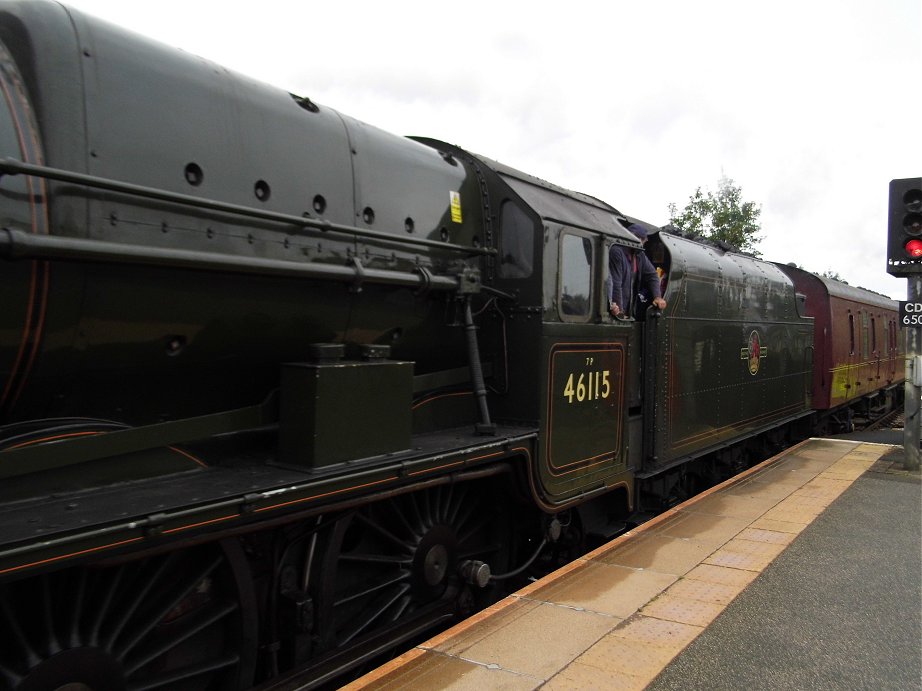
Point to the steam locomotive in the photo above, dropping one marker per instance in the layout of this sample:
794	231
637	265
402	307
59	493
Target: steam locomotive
280	391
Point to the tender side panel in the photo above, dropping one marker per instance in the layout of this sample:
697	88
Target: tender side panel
734	355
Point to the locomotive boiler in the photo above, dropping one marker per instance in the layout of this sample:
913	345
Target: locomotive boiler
280	391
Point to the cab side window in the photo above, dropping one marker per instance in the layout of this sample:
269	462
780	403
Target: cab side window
575	277
516	242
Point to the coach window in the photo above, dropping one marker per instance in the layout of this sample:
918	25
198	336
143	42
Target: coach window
575	277
851	334
873	335
516	242
864	335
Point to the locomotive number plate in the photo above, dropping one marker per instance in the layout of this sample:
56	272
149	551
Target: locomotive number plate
585	406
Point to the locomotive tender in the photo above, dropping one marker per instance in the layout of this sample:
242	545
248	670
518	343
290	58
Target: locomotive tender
279	390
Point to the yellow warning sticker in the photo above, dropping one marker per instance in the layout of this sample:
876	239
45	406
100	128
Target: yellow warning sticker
455	207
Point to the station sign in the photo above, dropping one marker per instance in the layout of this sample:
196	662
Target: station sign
910	313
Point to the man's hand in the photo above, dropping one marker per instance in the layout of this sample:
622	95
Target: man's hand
659	303
613	309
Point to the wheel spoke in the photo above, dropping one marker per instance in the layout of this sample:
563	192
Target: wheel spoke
426	499
381	531
165	567
452	516
174	640
480	550
465	515
401	518
9	678
28	653
376	559
474	529
190	672
448	503
412	500
369	617
77	613
110	589
375	587
145	627
401	607
51	637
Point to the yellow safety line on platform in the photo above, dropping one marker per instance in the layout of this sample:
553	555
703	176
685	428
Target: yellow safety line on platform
614	618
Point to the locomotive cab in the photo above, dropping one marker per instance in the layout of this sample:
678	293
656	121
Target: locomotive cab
578	384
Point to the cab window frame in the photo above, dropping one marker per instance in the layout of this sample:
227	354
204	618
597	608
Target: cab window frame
517	240
569	254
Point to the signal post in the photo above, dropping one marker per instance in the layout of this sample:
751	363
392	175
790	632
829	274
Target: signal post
904	258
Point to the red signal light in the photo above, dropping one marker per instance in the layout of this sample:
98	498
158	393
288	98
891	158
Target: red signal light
914	248
904	227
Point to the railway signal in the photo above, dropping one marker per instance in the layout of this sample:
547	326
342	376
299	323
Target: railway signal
904	227
904	258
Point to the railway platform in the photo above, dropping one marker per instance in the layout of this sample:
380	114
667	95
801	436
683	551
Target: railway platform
803	572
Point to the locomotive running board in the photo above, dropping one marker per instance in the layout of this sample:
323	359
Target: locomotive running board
39	457
225	500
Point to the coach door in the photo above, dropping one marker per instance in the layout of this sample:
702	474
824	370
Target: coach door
583	356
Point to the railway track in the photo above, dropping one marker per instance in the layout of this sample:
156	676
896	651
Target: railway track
892	420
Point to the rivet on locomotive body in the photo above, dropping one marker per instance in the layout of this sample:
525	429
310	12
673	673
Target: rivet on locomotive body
194	174
262	190
175	345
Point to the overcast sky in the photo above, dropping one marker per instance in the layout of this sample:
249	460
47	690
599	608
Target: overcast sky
812	107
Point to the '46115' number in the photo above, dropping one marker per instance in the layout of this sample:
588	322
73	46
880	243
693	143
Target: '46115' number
588	386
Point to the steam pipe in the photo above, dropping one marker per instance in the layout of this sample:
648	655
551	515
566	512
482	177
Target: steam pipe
16	244
11	166
473	353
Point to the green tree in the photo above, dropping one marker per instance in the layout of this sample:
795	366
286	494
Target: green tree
720	217
834	275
